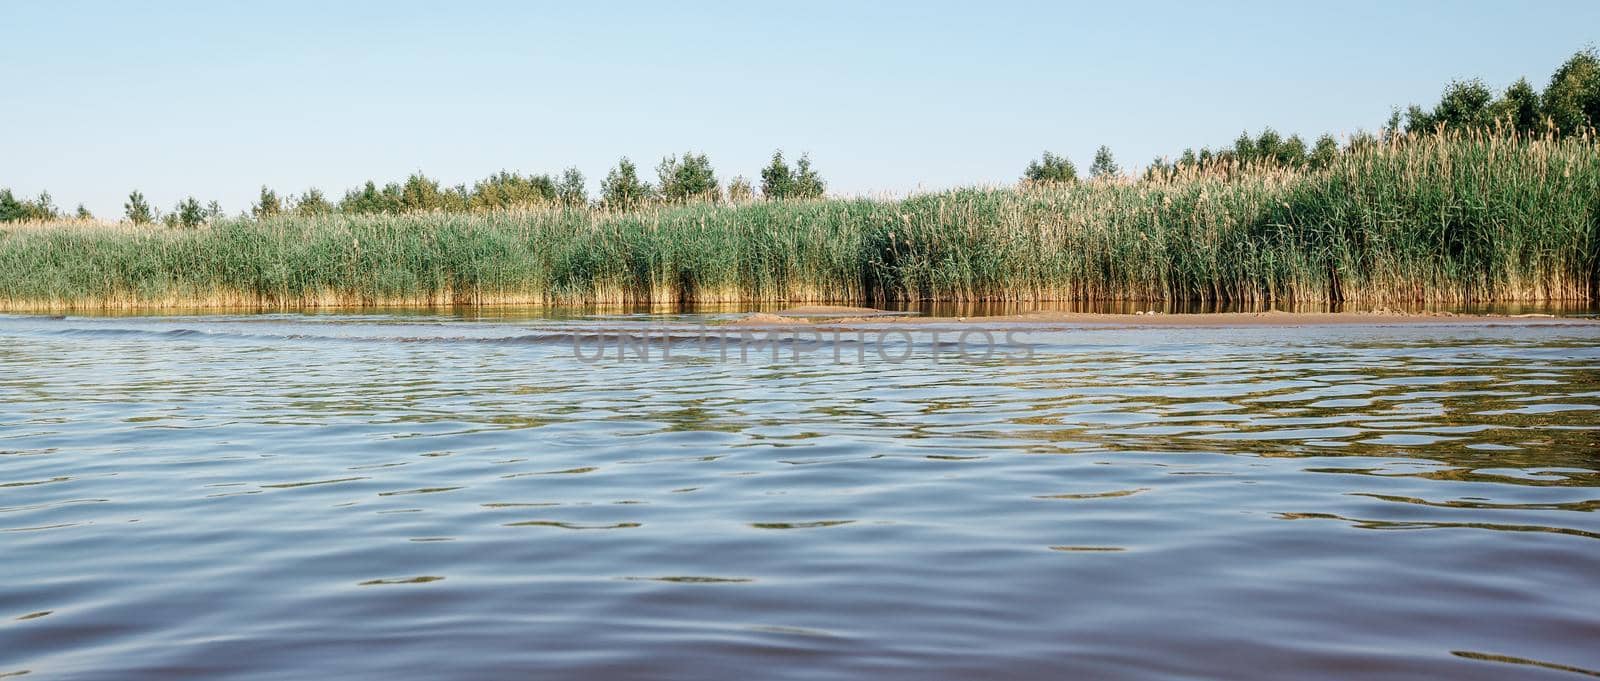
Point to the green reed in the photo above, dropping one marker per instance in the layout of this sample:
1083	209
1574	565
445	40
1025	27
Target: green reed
1464	217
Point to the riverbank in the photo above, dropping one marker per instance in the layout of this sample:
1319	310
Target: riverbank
841	316
1441	219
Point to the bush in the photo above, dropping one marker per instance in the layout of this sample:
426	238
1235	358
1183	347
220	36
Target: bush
687	178
622	188
1105	166
137	210
1050	169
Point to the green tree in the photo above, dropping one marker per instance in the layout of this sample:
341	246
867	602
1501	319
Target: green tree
369	199
808	183
1050	169
1105	165
188	213
420	193
622	188
571	191
458	199
13	209
83	213
1159	169
1268	147
1244	148
1292	152
1389	129
511	189
312	202
44	208
1419	120
1518	107
777	180
267	205
137	210
1325	152
687	178
1361	139
739	189
1572	99
1465	104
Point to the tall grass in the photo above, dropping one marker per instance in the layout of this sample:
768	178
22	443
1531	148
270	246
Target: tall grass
1454	218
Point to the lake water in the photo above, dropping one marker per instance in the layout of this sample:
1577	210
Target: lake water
417	496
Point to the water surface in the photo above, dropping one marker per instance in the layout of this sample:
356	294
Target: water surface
424	496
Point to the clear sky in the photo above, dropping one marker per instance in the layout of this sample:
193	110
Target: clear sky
215	99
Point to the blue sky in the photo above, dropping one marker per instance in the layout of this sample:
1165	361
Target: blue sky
217	98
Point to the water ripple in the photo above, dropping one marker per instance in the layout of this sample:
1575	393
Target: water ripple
422	496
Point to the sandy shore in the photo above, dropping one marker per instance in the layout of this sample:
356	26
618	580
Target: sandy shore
827	315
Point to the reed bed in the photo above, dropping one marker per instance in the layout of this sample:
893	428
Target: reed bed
1444	219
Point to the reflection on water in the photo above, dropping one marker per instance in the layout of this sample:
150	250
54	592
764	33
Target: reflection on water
427	496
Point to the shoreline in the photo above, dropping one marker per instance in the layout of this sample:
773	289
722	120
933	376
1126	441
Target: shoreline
851	317
835	317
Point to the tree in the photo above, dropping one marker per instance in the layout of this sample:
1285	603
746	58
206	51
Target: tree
1362	140
1267	147
187	213
1387	132
1572	99
1159	169
13	209
1418	120
421	193
690	177
571	190
1518	107
739	189
267	205
313	203
510	189
213	211
1464	105
622	188
83	213
1292	152
369	199
1105	166
807	183
137	210
458	199
1243	151
777	181
1050	169
44	207
1325	152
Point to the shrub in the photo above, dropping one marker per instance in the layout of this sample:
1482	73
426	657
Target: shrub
1105	166
137	210
1050	169
622	188
687	178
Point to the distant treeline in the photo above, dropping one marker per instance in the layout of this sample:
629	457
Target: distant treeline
679	179
1568	106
